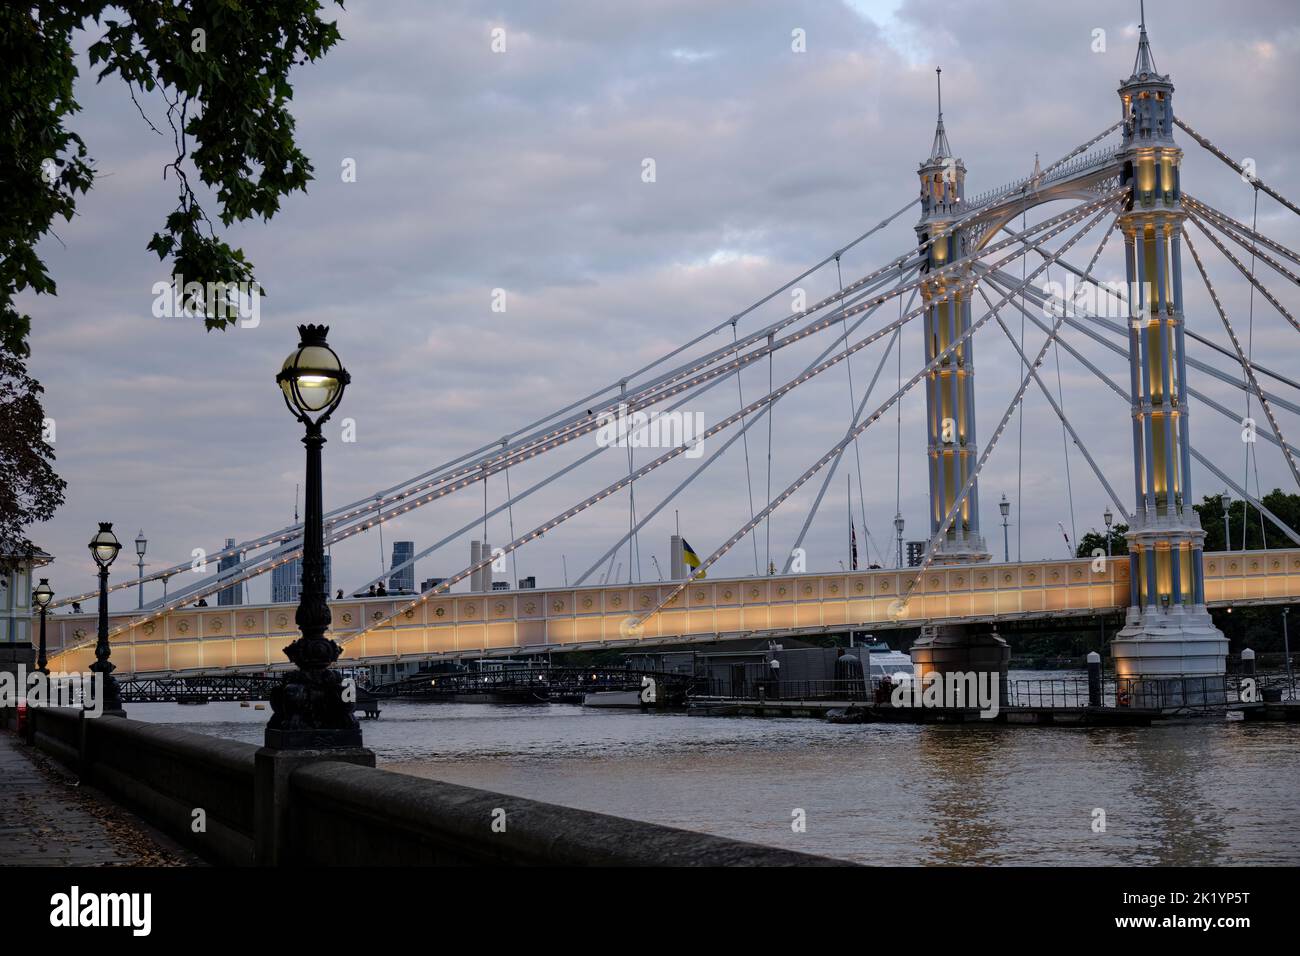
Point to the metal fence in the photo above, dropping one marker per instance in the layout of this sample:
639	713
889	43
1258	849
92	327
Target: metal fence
1165	694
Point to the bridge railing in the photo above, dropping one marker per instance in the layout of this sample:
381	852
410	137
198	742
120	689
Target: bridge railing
766	689
1095	158
1165	693
1056	693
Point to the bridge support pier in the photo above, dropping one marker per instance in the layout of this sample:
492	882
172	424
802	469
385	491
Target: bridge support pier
961	649
1170	657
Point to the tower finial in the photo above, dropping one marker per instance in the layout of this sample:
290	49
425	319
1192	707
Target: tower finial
1144	62
940	149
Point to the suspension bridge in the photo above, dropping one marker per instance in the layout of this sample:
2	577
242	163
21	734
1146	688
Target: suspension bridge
974	266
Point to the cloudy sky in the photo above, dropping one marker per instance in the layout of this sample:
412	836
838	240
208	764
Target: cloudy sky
522	170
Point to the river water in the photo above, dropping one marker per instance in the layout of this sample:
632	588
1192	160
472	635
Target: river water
1199	792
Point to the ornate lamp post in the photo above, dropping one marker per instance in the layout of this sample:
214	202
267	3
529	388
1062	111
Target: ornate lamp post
898	529
1226	500
140	544
1005	507
1108	518
104	547
41	597
309	709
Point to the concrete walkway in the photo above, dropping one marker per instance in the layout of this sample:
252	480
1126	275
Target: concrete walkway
48	820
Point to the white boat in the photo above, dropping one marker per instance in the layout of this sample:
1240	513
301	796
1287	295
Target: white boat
895	665
613	698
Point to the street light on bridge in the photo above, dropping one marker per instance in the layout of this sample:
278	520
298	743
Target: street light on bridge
1005	507
308	708
141	543
41	597
1226	500
1108	517
104	547
898	528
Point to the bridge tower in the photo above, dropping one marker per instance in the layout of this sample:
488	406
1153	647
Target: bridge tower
1168	632
951	449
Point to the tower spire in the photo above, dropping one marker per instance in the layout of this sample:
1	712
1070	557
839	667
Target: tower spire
1143	62
940	149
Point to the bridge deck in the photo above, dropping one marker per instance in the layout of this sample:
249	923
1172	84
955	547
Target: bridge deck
535	621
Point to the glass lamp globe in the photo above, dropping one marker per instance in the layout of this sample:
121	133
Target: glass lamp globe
104	546
312	377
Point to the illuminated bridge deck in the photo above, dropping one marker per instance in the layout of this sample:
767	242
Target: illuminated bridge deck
534	621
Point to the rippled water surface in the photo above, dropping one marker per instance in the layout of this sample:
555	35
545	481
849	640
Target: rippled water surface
1207	792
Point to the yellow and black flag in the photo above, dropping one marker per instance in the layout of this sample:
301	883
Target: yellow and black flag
690	558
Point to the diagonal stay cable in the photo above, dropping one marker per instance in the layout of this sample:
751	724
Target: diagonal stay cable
745	425
830	472
1057	224
1245	366
1120	350
1056	407
1252	179
843	443
1252	246
1002	279
582	461
1075	215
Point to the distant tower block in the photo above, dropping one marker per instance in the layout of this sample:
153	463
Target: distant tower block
1168	645
950	414
951	450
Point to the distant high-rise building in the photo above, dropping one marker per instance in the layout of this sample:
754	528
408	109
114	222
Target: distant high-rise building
480	580
500	585
915	552
286	581
528	582
402	581
429	583
235	593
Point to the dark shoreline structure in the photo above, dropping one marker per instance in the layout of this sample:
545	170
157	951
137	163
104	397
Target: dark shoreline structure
334	813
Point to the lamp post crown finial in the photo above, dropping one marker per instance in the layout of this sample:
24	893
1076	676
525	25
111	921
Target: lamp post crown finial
313	334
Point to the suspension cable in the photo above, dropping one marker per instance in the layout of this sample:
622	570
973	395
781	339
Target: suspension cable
858	429
1250	375
749	474
1057	224
857	451
746	423
1254	180
857	414
898	448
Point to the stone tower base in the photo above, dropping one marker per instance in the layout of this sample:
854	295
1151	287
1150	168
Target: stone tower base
1168	658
